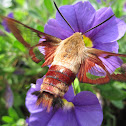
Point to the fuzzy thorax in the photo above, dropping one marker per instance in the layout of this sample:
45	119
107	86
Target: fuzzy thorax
70	52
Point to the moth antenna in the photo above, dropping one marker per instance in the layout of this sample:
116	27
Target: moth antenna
100	23
63	16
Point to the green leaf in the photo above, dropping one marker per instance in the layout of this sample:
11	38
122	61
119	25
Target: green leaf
110	92
2	56
13	124
120	85
86	87
40	28
6	125
7	119
19	15
65	2
20	122
18	100
119	104
8	69
35	14
21	2
10	36
12	113
20	46
49	5
33	71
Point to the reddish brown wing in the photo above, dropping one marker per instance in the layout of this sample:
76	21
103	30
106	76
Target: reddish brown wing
32	39
101	66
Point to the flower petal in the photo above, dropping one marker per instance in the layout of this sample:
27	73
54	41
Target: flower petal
40	118
63	118
79	20
53	28
124	7
84	12
110	31
8	95
10	15
42	48
38	83
30	101
87	109
70	94
68	11
110	47
100	15
112	63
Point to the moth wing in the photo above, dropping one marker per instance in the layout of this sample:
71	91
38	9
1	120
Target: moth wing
100	67
34	40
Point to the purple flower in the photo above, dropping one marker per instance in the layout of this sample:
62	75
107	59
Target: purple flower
8	96
82	16
99	1
10	15
124	8
80	110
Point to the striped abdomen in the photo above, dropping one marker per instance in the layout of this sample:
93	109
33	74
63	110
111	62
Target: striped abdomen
55	84
57	80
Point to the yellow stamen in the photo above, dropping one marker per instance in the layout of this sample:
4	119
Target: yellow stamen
87	41
67	105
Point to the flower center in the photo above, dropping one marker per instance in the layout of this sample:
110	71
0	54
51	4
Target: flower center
67	105
87	41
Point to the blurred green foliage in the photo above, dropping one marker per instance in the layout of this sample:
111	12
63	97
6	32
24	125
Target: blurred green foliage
18	70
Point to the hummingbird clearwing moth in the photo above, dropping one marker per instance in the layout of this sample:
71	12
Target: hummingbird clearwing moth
68	58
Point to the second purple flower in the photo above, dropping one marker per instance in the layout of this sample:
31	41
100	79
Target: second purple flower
80	110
